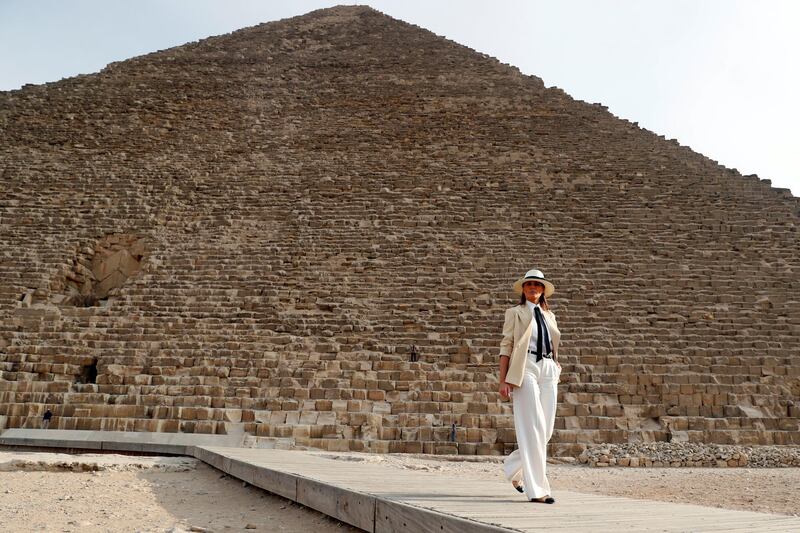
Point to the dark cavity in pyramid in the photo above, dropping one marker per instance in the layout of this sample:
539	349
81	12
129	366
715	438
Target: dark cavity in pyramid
307	199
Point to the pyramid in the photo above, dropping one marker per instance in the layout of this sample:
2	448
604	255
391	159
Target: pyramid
251	234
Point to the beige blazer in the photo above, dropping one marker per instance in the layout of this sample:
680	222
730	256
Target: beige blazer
517	335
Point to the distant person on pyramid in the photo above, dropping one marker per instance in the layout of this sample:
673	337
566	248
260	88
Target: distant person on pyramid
529	372
48	415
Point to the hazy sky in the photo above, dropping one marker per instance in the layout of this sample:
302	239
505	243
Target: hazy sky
721	76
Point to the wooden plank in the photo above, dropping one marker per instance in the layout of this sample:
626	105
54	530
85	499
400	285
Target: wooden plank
208	456
393	517
279	483
356	508
345	505
317	495
241	469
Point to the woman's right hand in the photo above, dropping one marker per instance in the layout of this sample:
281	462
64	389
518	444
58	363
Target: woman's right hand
505	389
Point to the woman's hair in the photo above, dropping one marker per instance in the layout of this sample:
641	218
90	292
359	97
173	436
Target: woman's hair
542	301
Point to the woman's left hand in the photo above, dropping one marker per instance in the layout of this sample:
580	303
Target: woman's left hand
505	390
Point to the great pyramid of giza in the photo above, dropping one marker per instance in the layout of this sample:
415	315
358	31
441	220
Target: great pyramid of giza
250	232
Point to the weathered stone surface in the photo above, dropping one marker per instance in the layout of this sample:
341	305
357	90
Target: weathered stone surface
659	454
250	233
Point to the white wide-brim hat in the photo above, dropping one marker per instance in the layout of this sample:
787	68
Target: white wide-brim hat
535	275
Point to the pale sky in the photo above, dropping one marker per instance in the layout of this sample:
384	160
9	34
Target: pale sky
720	76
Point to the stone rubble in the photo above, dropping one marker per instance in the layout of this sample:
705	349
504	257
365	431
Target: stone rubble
61	462
689	454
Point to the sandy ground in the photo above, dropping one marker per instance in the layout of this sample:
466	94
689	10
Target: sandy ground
766	490
87	493
129	494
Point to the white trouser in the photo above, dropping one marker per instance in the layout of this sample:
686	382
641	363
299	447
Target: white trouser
534	417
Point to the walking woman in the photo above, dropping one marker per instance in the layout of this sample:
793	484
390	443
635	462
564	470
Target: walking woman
529	372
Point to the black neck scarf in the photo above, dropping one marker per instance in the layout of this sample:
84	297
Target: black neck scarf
542	335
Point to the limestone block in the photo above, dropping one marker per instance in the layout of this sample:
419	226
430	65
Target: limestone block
382	408
326	418
337	445
445	449
308	417
506	435
114	279
323	405
376	395
229	415
488	436
301	431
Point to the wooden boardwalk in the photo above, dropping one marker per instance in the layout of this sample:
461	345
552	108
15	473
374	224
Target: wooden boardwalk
475	506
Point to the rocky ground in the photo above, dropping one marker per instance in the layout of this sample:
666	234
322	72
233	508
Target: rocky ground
658	454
